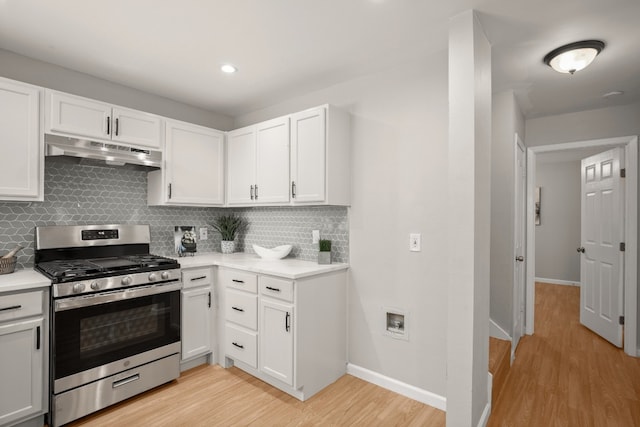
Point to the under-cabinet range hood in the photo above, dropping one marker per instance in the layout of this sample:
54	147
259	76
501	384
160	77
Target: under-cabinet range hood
112	154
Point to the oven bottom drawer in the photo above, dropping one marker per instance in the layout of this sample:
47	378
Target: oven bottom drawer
81	401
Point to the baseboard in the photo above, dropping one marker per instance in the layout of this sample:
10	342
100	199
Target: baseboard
557	281
638	352
497	332
407	390
484	418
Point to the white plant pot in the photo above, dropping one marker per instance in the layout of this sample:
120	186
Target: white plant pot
228	246
324	257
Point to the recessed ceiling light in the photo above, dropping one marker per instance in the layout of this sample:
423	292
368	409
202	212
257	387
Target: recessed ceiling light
573	56
613	93
228	68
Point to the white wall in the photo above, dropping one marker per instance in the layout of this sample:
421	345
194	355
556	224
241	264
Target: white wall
399	186
558	234
28	70
585	125
507	120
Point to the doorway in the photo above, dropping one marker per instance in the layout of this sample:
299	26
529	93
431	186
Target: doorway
630	145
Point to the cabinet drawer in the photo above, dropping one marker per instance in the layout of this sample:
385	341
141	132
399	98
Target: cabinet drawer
195	277
240	280
276	288
242	308
242	345
15	306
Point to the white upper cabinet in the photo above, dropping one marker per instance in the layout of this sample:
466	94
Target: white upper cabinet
258	164
72	115
241	166
22	159
272	161
193	173
320	157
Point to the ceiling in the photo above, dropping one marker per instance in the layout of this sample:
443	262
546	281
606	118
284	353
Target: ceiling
285	48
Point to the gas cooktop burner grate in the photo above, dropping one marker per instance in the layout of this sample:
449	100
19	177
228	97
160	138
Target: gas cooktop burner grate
65	270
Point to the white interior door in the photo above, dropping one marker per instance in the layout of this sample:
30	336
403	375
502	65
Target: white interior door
519	248
601	259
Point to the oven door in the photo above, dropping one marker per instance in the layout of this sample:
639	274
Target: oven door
91	333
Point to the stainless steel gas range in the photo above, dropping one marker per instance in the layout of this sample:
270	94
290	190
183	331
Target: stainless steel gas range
115	316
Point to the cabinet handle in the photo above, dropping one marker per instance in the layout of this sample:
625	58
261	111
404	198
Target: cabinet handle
238	309
38	338
293	189
237	281
169	190
237	345
108	125
209	303
256	191
273	289
251	192
193	279
117	127
287	318
13	307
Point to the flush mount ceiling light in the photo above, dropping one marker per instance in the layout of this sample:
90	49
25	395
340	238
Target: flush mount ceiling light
228	68
573	56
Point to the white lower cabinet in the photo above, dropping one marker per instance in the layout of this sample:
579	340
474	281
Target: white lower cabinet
197	319
298	343
23	346
276	340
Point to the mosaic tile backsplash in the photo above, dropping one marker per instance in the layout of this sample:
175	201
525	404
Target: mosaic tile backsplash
88	192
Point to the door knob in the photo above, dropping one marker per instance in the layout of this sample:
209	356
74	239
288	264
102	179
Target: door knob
520	258
581	249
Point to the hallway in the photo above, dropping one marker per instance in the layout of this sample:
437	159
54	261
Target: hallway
565	375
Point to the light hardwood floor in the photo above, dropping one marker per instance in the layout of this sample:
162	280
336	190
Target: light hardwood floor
565	375
212	396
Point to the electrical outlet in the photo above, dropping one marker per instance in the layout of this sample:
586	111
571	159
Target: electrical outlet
415	242
203	233
315	235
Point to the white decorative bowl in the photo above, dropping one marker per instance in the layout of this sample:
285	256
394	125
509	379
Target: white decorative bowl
275	253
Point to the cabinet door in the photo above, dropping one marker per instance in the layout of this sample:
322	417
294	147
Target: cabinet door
196	322
241	166
276	340
308	155
78	116
22	158
272	161
194	164
21	370
136	127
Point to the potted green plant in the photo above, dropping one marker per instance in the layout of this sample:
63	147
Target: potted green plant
324	255
228	226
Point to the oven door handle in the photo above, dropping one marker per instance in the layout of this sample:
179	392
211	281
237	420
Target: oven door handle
112	296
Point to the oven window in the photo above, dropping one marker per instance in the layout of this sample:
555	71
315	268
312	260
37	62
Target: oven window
92	336
116	330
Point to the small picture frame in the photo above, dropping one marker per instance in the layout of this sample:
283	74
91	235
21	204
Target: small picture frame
184	238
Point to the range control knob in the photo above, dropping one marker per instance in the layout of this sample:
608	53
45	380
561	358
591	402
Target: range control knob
165	275
78	287
153	277
126	281
95	286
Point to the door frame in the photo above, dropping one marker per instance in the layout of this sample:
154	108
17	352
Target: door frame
519	144
630	144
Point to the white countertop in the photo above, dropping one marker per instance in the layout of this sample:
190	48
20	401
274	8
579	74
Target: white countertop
289	268
21	280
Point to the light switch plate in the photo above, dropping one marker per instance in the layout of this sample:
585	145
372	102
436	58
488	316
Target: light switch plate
415	242
203	233
315	235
